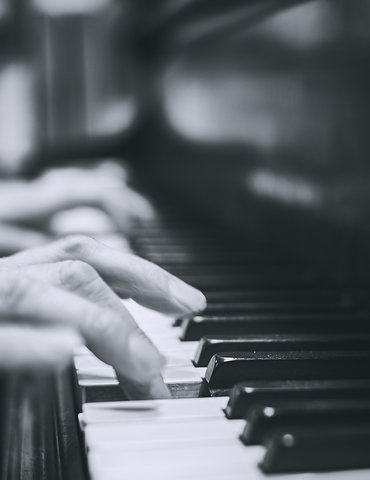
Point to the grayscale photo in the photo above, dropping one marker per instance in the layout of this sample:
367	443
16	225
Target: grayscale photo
184	239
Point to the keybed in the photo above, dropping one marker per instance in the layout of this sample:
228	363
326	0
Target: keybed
286	330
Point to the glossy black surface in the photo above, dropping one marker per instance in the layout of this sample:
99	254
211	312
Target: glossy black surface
210	345
200	326
224	370
336	448
245	395
263	421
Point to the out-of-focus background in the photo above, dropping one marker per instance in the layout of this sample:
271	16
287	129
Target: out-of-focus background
268	75
224	104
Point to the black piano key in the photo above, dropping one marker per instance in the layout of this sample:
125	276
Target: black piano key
246	395
224	370
208	258
310	450
237	270
210	345
276	280
294	295
263	420
212	239
195	248
286	306
268	306
287	301
200	326
188	234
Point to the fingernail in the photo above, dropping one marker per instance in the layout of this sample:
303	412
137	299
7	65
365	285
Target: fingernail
188	298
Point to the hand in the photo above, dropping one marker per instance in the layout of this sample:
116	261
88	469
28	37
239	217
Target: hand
58	189
14	238
68	200
66	283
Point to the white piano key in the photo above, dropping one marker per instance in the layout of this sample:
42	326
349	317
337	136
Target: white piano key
154	410
178	461
168	344
107	376
179	374
145	317
183	458
138	434
90	361
179	360
96	376
184	347
156	325
240	465
164	335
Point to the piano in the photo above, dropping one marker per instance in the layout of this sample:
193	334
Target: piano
266	209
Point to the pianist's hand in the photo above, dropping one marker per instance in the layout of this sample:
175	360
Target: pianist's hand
71	281
32	212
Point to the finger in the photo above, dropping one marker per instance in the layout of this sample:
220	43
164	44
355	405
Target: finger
15	238
82	279
56	190
86	220
116	241
25	201
67	188
138	204
114	167
113	339
130	276
126	200
126	206
86	177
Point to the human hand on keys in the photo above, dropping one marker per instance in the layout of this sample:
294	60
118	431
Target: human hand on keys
67	200
71	282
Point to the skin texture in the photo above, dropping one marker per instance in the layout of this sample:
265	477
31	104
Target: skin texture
71	283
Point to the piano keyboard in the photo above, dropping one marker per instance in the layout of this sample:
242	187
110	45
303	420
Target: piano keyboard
272	378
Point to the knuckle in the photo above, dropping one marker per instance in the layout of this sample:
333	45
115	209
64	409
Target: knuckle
75	273
77	246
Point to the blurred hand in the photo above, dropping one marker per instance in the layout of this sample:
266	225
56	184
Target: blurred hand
14	238
52	204
70	283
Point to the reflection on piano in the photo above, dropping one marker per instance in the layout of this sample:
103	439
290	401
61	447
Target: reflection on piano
273	377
